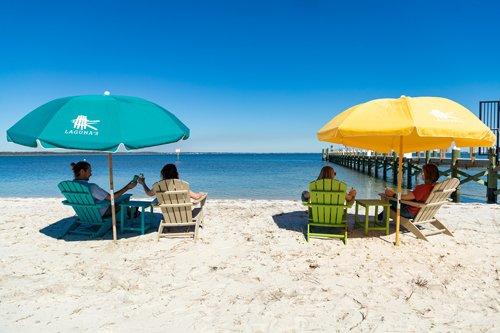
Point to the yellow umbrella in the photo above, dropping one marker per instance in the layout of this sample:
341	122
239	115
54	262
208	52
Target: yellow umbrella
406	125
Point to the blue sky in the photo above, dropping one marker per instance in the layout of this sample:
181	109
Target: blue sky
247	76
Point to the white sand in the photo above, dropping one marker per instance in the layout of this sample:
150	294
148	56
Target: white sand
247	273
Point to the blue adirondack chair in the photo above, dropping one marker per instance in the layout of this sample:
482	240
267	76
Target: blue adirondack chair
89	220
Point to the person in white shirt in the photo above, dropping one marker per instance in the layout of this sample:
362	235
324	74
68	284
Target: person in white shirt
82	172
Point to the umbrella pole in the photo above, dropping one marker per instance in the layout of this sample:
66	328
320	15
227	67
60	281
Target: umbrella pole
112	191
400	181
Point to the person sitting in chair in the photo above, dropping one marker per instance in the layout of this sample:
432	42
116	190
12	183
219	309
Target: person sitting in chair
83	171
169	171
327	172
430	175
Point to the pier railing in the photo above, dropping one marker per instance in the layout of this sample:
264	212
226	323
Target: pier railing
385	166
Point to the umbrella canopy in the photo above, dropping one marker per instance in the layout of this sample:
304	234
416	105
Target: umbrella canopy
423	123
405	125
98	122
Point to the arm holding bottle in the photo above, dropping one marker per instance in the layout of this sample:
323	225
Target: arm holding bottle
122	191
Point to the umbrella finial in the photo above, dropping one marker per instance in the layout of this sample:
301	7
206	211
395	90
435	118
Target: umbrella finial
107	93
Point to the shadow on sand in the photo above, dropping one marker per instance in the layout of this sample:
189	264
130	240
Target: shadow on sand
57	229
297	221
294	221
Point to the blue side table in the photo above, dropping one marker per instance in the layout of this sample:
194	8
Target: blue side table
134	204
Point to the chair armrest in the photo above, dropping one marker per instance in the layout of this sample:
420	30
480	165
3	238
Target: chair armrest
187	204
413	203
385	197
409	203
308	204
197	201
98	204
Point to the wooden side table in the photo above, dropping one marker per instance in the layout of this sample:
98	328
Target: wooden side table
137	204
370	225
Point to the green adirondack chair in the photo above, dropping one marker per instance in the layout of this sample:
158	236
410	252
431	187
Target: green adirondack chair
89	217
326	209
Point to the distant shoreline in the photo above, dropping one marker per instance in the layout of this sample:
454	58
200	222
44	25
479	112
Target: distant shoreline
47	153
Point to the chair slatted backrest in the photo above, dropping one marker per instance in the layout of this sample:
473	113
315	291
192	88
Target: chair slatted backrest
173	198
439	195
79	197
327	198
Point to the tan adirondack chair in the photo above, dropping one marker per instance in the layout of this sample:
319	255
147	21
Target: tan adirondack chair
177	208
427	214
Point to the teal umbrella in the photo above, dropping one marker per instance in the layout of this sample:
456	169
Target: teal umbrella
98	123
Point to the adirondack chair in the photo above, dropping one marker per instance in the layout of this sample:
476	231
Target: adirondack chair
327	208
426	215
177	208
78	196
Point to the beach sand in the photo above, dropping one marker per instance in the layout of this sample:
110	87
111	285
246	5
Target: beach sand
251	270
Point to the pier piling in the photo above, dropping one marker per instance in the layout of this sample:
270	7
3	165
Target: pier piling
409	178
492	178
394	169
384	170
455	155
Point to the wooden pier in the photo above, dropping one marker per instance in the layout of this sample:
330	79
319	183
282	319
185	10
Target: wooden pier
385	166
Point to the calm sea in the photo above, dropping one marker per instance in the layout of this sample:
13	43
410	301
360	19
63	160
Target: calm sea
252	176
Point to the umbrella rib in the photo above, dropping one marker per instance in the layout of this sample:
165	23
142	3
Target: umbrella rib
410	113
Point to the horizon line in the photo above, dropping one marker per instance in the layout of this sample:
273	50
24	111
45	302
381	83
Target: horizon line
79	152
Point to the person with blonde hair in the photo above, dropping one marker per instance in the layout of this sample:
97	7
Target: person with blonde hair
327	172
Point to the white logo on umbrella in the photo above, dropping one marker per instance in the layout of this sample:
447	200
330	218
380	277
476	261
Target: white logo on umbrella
442	116
81	123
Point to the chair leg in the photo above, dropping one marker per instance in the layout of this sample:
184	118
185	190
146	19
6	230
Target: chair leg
412	228
409	226
387	218
196	227
367	212
160	230
143	228
70	228
440	225
102	230
201	218
122	218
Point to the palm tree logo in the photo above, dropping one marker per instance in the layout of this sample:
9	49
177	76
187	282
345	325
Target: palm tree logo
81	123
443	116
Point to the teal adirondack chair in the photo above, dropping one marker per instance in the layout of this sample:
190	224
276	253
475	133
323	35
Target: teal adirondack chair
326	209
89	217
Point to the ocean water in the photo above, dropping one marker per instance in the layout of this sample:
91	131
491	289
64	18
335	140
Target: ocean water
250	176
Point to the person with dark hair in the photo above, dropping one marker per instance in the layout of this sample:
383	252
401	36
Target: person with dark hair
83	171
430	175
169	171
